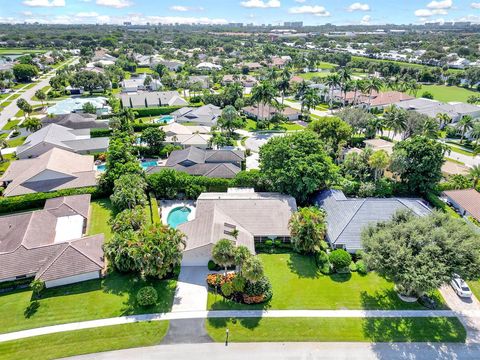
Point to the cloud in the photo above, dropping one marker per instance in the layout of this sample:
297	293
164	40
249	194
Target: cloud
316	10
443	4
475	5
44	3
428	13
261	4
185	8
366	20
358	7
88	14
117	4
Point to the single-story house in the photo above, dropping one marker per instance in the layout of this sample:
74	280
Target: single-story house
171	65
245	80
203	80
57	169
57	136
252	66
379	144
206	115
135	84
200	162
254	216
379	100
208	66
75	105
201	141
76	121
48	244
467	201
347	217
179	129
152	99
263	112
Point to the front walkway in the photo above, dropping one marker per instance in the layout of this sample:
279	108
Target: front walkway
191	293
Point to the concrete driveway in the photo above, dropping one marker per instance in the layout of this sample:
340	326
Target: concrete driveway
191	292
255	142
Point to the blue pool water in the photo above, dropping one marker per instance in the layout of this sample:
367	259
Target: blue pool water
178	216
165	119
145	165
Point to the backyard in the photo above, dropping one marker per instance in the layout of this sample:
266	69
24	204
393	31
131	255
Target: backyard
447	93
297	284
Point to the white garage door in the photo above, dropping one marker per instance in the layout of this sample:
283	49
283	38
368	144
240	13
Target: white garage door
197	257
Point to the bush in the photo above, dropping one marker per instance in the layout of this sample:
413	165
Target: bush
261	287
352	267
227	289
340	259
156	111
238	284
147	296
361	267
323	263
212	266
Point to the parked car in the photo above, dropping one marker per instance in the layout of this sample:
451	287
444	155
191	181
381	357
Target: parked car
460	286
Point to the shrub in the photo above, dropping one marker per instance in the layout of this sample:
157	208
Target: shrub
260	287
227	289
147	296
156	111
361	267
37	287
323	263
238	284
212	266
340	259
352	267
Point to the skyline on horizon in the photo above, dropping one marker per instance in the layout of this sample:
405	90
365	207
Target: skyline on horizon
311	12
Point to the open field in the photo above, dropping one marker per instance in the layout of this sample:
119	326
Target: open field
86	341
19	51
447	93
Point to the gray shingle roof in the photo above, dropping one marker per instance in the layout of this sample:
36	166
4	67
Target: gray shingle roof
75	121
346	217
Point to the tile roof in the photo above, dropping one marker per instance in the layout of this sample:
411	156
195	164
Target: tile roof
75	121
468	199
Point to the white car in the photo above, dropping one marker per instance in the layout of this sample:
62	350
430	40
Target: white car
460	287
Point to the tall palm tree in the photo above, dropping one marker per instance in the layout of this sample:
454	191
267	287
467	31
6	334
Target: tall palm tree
395	119
430	128
3	145
345	78
444	119
263	94
465	124
373	84
310	99
284	85
413	87
474	173
332	81
475	132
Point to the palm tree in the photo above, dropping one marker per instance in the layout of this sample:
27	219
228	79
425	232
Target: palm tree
3	145
376	125
310	99
395	119
284	85
474	173
332	81
373	84
444	119
465	124
475	132
263	94
32	124
413	87
345	78
430	128
223	253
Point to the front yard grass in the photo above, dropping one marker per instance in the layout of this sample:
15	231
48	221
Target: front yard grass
297	284
439	329
7	159
101	211
70	343
16	141
10	124
113	296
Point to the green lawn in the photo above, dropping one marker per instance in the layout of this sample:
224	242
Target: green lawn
475	287
101	212
6	163
113	296
448	93
337	329
19	51
251	125
144	70
297	284
10	124
311	75
86	341
459	150
16	141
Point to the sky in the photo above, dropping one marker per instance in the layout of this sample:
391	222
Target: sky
311	12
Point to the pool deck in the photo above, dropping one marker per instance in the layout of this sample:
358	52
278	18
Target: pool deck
168	205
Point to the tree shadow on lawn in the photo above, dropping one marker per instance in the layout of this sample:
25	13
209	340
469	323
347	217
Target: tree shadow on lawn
248	323
340	278
304	266
386	299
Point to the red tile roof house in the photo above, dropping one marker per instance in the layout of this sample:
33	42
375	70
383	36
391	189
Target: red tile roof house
262	112
376	100
467	202
49	245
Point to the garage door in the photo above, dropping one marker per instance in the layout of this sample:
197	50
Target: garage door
197	257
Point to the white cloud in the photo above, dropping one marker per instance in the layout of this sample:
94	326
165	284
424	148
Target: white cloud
87	14
117	4
185	8
428	13
366	20
261	4
443	4
316	10
358	7
475	5
44	3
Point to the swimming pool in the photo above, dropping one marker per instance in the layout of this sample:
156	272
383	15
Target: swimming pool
145	165
178	215
165	119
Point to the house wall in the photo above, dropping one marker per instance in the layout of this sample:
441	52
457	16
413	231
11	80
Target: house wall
198	256
73	279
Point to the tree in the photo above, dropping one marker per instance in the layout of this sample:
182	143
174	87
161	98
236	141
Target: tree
418	161
129	192
253	269
161	70
465	124
90	81
283	84
379	161
475	132
153	137
332	81
308	229
89	108
396	119
419	254
444	119
128	219
230	119
357	118
474	173
340	259
25	107
373	84
296	164
24	72
333	131
310	100
32	124
242	254
41	95
263	94
3	145
223	253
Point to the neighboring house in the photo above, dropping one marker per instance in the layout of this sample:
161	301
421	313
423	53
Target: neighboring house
279	61
347	217
200	162
255	216
48	244
56	169
57	136
171	65
263	112
197	136
208	66
135	84
76	121
203	80
379	100
152	99
179	129
252	66
206	115
245	80
467	202
379	144
75	105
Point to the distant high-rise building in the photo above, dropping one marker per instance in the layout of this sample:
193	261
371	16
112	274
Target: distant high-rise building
235	24
293	24
127	23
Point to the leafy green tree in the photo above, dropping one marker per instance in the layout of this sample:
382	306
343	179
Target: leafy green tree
253	269
223	253
89	108
474	173
129	220
418	161
90	81
41	95
25	107
308	229
357	118
24	72
333	131
32	124
230	120
379	162
419	254
296	164
147	296
129	192
154	137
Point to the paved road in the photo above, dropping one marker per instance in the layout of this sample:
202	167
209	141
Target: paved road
291	351
12	109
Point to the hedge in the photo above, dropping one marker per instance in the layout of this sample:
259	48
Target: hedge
37	200
155	216
156	111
